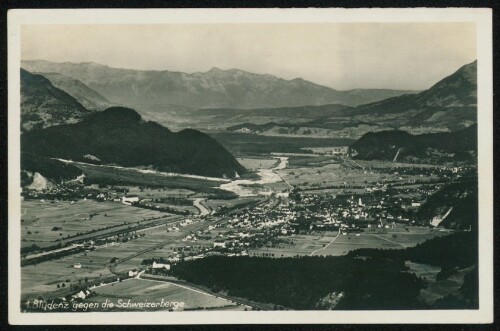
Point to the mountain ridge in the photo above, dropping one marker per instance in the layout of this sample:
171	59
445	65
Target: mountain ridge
44	105
120	136
215	88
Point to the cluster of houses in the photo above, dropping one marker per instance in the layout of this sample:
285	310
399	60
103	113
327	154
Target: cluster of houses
336	150
441	172
323	212
64	193
72	192
379	210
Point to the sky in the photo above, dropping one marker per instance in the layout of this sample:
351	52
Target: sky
343	56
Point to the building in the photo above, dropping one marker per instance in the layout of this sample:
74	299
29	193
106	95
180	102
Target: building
161	265
341	150
336	150
219	243
77	266
129	199
81	294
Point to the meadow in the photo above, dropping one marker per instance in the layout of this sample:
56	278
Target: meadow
123	176
243	144
45	222
328	243
147	290
44	277
150	192
215	203
330	175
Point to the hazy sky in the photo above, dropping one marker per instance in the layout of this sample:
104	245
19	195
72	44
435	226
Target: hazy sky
339	55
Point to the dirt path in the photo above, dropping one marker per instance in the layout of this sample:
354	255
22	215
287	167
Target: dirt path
331	242
391	241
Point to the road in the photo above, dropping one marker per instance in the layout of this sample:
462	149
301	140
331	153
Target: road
391	241
198	203
331	242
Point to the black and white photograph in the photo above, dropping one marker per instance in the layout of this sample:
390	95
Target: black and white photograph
230	166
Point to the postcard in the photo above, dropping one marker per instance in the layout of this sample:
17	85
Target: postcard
246	166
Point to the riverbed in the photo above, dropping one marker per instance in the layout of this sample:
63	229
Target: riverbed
267	176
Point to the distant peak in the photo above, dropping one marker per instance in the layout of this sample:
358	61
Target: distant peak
217	70
91	63
228	71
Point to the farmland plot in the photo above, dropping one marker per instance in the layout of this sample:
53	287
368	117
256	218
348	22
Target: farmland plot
305	244
45	222
43	277
145	290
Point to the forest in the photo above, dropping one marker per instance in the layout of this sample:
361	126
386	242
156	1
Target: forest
366	279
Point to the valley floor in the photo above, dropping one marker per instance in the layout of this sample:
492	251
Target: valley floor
302	205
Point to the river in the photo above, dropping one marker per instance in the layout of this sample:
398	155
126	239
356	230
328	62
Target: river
267	176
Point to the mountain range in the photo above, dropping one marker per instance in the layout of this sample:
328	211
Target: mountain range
449	105
44	105
120	136
387	128
215	88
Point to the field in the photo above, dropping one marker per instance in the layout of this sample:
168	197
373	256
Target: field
146	290
147	192
329	243
326	175
311	160
45	222
44	276
214	204
122	176
242	144
387	164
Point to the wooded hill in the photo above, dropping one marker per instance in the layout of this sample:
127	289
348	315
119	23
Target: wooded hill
119	136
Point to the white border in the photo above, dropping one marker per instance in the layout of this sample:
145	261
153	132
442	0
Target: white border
483	19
